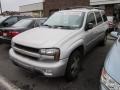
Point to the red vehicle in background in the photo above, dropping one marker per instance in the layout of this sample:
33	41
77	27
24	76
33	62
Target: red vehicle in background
6	34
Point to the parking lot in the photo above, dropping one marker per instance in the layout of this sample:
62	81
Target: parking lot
88	78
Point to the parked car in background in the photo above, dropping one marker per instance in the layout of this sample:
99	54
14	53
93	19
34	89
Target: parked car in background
110	78
57	48
110	23
8	33
6	21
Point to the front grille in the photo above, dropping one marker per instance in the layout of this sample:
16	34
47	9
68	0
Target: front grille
33	50
27	56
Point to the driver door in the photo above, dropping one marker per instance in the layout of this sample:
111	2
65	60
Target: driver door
90	33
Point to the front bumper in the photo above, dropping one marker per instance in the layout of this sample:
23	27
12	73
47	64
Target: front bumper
49	69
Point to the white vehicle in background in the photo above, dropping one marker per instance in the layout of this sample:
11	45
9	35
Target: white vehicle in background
57	48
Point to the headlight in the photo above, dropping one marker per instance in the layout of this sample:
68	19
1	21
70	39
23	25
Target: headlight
51	52
109	82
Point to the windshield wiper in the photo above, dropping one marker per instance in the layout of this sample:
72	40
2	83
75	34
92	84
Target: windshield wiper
64	27
46	25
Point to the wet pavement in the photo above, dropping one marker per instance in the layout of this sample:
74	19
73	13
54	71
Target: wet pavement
7	85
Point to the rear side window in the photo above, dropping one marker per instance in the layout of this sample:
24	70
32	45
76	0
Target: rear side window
91	19
98	17
104	17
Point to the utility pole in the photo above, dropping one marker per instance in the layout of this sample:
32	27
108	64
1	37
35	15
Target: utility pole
0	7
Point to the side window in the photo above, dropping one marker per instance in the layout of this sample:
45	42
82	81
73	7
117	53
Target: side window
104	17
11	21
91	19
98	17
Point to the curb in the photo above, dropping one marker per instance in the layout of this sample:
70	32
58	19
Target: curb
7	85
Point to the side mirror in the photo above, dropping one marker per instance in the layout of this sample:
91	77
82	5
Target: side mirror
115	34
89	26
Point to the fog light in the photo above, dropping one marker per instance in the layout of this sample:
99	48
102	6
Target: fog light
47	72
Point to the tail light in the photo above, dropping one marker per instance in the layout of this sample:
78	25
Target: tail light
12	33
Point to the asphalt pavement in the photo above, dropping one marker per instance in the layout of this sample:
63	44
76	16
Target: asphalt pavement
88	78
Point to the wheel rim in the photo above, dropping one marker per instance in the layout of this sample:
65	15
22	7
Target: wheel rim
75	66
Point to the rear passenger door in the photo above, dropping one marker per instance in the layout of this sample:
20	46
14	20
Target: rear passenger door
100	29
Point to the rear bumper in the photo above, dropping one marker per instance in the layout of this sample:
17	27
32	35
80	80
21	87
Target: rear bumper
48	69
5	40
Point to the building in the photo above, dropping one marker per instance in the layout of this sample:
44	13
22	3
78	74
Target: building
112	7
10	13
47	7
35	9
51	6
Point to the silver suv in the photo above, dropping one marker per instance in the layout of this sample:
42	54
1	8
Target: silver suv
57	48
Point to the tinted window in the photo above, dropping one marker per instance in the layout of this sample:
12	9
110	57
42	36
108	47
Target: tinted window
91	19
104	17
23	23
11	21
3	18
98	17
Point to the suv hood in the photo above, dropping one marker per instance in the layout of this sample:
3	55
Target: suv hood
43	37
112	65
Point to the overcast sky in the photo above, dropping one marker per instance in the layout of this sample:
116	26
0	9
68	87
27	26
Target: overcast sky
13	5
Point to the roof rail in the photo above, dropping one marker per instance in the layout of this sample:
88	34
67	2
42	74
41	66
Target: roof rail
87	7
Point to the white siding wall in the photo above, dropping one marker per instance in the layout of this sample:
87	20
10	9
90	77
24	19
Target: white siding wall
31	7
99	2
27	14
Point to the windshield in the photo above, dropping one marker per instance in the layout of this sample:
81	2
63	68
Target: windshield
2	18
23	23
65	20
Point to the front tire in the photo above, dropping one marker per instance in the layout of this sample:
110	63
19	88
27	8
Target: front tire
74	65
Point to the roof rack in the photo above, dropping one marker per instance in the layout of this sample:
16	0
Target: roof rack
87	7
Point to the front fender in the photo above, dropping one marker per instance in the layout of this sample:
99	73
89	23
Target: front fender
68	49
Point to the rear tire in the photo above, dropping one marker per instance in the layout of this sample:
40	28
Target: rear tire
74	65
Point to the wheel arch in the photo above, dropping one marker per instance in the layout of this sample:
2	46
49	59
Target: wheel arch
80	48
